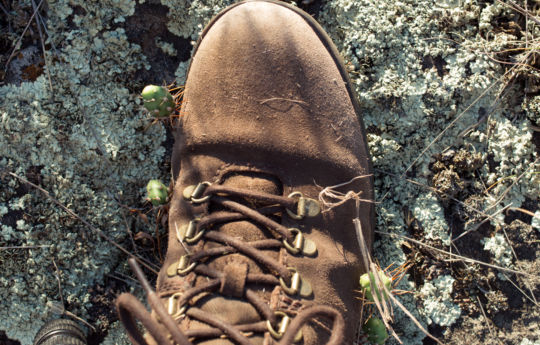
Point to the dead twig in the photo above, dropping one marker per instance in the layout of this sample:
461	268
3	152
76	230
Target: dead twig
57	274
42	45
99	232
460	257
22	35
331	192
26	247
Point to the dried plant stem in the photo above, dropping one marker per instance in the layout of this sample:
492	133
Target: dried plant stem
99	232
22	35
487	320
57	274
26	247
459	257
42	45
382	306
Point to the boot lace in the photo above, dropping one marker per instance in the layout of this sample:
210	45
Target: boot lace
281	324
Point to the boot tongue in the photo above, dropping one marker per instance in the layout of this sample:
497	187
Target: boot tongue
254	181
235	309
258	182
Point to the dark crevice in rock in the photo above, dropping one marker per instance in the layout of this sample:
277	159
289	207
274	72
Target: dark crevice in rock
4	340
142	28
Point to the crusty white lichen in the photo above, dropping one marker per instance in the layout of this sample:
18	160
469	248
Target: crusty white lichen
516	175
430	214
499	247
165	47
417	65
535	223
424	81
85	143
438	306
188	18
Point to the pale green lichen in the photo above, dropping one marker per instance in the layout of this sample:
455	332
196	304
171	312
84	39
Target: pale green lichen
86	141
499	247
516	177
188	18
535	223
427	211
180	73
532	108
413	80
166	47
438	307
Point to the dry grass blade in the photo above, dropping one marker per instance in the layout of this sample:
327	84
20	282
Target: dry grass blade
25	247
57	274
330	197
381	304
521	10
487	321
42	44
99	232
531	298
459	257
369	266
22	35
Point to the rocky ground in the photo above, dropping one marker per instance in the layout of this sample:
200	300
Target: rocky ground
450	92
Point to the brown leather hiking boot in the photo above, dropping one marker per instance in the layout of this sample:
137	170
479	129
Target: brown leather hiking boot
270	117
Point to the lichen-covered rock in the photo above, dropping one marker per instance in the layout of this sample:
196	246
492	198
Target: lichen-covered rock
438	307
425	84
84	142
188	18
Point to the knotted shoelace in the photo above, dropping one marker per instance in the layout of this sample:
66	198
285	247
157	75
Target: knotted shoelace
166	331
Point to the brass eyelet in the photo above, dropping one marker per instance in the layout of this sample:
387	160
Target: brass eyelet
295	282
194	239
190	235
181	267
298	286
283	325
193	193
297	244
300	244
184	266
307	207
175	310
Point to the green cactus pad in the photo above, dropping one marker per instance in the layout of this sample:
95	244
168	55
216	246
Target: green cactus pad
375	331
157	192
367	281
158	100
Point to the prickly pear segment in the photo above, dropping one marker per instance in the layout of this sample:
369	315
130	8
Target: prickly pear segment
157	192
368	284
158	100
375	331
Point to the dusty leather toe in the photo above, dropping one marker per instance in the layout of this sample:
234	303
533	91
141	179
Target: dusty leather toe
268	107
